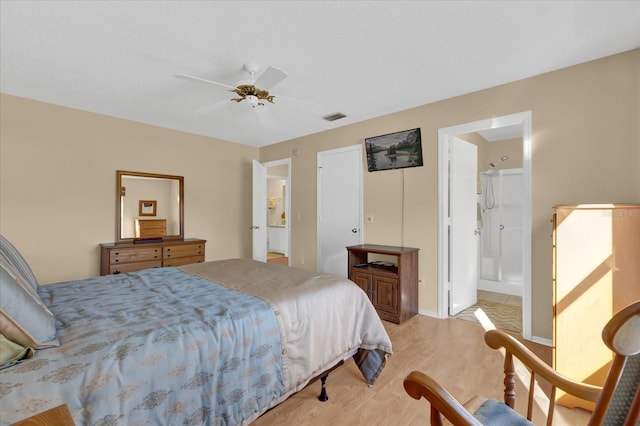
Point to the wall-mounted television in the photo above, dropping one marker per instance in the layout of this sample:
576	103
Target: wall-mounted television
394	150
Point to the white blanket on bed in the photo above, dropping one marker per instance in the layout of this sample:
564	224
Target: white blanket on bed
320	330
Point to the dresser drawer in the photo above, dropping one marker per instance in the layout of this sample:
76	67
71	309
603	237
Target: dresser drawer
138	254
134	266
179	261
182	250
124	257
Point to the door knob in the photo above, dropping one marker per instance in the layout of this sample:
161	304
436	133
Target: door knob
254	227
354	230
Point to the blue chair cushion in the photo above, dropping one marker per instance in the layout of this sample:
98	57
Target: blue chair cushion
494	413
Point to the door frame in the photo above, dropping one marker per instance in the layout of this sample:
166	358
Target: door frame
287	201
319	155
444	135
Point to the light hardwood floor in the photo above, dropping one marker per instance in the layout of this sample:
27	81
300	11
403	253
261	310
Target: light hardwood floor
451	350
277	258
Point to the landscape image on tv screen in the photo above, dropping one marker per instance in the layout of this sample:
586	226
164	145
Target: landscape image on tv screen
394	150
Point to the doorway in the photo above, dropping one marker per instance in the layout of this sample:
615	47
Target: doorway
277	218
271	211
521	123
339	207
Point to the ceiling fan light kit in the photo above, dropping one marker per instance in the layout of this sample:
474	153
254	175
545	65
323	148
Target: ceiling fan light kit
252	94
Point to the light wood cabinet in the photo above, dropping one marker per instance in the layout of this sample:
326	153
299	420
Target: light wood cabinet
596	273
117	258
392	288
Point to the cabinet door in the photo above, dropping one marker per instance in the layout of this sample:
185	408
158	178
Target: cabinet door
363	280
385	294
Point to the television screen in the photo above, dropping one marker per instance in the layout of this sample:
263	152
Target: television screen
394	150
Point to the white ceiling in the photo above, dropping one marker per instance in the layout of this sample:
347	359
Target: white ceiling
363	59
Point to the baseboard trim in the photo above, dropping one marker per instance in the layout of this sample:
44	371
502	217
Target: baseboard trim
428	313
542	341
505	287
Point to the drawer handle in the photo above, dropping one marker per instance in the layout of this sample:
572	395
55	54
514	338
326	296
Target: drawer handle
116	272
117	260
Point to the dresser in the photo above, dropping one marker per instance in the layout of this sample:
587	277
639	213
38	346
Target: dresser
392	285
596	270
116	258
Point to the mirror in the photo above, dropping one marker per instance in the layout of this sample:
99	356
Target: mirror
149	205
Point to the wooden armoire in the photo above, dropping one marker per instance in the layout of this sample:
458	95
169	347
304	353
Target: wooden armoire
596	273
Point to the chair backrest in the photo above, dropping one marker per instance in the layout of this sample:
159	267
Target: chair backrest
619	402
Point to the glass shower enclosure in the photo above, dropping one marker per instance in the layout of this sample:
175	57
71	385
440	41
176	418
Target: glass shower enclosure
500	252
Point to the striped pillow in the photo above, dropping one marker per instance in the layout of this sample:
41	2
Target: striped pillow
9	255
24	318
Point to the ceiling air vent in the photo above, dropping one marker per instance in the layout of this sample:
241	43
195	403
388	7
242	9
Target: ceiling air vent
334	116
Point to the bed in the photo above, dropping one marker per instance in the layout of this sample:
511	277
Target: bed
216	343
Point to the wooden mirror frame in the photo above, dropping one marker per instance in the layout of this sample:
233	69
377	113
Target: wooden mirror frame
119	205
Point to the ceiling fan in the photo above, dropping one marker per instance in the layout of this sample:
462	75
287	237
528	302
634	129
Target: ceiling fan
255	91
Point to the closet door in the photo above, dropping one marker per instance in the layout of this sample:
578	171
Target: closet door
596	273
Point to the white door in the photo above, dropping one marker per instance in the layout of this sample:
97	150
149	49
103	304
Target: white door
463	256
259	225
339	207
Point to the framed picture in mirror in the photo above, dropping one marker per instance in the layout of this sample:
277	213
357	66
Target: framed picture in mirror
147	208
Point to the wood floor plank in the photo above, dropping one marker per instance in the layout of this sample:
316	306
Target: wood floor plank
451	350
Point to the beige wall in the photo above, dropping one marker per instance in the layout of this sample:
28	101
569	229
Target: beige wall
57	173
58	178
586	147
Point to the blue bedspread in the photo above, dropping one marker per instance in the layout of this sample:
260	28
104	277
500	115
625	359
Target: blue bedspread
155	347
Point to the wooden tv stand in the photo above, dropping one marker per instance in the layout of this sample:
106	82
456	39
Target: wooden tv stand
392	289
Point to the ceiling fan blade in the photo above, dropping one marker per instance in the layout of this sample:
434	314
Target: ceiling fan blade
315	105
269	78
265	117
189	77
212	107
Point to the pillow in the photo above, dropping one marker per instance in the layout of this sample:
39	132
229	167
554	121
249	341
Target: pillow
12	353
9	255
24	319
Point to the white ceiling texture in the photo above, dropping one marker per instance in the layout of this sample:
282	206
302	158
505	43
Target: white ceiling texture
360	58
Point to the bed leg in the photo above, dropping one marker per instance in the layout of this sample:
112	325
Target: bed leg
323	393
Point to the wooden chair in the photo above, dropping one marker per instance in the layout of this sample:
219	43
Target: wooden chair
617	402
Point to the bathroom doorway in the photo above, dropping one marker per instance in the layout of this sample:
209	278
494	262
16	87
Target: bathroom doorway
486	134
